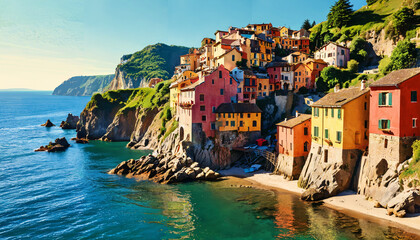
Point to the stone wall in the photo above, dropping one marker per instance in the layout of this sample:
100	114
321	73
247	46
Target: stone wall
289	166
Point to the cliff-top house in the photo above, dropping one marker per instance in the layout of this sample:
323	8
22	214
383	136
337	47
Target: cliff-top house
334	54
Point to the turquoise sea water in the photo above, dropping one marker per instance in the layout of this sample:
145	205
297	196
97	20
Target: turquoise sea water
68	195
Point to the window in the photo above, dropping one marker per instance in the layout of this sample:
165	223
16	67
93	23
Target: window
291	146
275	76
316	131
203	118
228	115
305	146
241	115
305	131
202	108
386	143
385	99
221	91
233	57
316	112
230	81
326	112
325	155
366	124
413	96
254	123
212	81
213	126
339	113
414	120
326	133
232	123
365	105
213	109
220	115
220	74
249	115
332	112
339	136
239	90
202	97
384	124
241	123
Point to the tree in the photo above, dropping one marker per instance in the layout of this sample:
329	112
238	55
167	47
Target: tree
403	20
340	14
280	52
404	55
385	65
353	66
313	24
358	50
242	64
306	24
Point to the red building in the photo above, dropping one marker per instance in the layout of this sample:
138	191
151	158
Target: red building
274	73
249	87
301	45
394	115
199	100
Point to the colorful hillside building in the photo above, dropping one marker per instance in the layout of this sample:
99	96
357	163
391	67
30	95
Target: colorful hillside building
394	116
240	117
293	144
334	54
280	75
339	134
186	78
249	87
313	70
198	102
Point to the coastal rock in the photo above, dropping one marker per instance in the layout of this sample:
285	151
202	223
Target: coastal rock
48	123
59	145
165	168
70	123
313	194
80	140
405	202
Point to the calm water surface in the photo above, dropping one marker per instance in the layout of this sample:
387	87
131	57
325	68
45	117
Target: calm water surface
68	195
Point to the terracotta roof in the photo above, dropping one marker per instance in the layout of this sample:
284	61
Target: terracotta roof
238	108
396	77
326	44
192	86
295	121
340	98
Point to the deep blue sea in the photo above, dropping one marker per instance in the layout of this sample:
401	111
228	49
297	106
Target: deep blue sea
69	195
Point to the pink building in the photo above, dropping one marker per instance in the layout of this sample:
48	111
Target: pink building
334	54
199	101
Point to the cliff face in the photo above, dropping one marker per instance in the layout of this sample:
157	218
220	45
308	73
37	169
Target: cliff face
157	60
83	85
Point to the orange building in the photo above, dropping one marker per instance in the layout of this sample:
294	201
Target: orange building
300	76
294	44
314	68
293	144
191	59
260	28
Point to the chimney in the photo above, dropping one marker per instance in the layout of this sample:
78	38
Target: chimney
363	85
297	114
337	88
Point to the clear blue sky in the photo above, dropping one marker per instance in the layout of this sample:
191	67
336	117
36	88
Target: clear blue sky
44	42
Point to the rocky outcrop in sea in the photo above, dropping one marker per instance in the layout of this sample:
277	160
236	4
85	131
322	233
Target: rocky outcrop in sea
59	145
70	123
48	123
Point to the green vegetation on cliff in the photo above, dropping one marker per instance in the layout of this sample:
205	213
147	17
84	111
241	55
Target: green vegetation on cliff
83	85
391	15
158	60
412	173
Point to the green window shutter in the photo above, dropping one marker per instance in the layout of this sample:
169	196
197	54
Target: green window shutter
339	113
379	124
326	133
332	112
390	99
388	124
380	99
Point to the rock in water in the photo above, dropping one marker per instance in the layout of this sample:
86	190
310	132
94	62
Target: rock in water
80	140
165	168
48	123
59	145
70	123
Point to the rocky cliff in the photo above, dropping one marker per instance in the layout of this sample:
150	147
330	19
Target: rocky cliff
158	60
83	85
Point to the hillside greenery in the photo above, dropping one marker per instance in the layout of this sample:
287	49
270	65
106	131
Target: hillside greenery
154	61
378	15
412	172
83	85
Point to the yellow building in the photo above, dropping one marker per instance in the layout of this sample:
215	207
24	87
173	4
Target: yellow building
341	119
263	86
228	59
240	117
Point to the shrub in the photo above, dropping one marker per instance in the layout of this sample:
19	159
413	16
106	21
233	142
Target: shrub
403	20
385	65
353	66
358	50
404	55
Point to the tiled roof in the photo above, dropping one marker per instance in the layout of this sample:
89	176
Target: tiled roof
192	86
295	121
326	44
238	108
340	98
396	77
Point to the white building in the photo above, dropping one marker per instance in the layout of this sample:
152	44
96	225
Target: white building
334	54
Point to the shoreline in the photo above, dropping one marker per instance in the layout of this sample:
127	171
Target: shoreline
347	202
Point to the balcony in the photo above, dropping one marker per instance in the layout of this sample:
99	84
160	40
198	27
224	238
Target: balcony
186	104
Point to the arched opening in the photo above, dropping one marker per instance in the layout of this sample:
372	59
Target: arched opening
305	146
181	133
381	168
